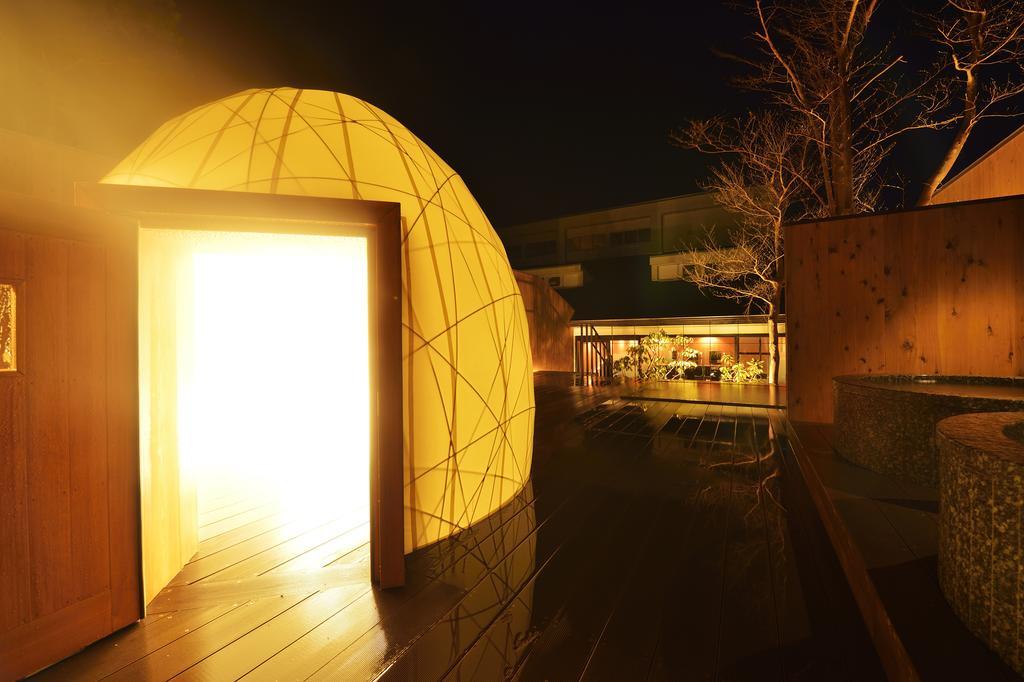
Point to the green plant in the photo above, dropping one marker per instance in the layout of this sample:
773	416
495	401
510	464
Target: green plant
646	359
740	372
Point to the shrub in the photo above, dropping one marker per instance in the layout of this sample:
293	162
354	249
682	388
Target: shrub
740	372
646	360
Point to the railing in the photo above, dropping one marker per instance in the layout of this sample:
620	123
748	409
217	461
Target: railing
593	357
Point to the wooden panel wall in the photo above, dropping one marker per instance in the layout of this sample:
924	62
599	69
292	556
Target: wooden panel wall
1000	173
938	290
68	440
548	316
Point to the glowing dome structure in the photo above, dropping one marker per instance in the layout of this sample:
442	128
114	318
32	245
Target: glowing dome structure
469	406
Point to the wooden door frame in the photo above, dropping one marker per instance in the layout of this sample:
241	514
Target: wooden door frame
377	221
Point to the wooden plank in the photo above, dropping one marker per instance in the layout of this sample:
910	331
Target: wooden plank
186	651
375	618
232	521
213	563
124	512
891	651
697	585
246	504
627	642
272	557
15	567
268	524
87	397
46	354
997	173
53	636
335	549
595	577
249	651
132	643
15	572
750	639
387	489
434	649
354	571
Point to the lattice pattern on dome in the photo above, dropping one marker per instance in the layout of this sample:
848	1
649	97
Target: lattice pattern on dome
468	377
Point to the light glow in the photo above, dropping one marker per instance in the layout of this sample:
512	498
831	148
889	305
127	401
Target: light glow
272	371
275	396
468	403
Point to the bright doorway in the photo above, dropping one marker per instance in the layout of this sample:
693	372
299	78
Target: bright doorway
254	405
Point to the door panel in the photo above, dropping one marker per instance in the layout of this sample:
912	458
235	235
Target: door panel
170	519
69	567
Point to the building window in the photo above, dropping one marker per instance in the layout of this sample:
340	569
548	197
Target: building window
630	237
539	249
8	328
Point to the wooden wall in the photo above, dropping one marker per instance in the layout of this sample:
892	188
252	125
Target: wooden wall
68	435
1000	173
548	316
938	290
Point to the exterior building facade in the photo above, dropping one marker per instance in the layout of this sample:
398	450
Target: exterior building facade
619	269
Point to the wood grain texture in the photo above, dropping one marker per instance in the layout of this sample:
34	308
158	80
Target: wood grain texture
616	563
387	488
999	173
45	348
548	316
938	290
63	416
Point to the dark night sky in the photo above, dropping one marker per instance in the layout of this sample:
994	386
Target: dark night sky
544	108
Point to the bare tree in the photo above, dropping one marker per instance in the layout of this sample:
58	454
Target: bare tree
981	43
812	59
766	178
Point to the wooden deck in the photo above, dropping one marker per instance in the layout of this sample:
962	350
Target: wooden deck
710	392
656	540
890	532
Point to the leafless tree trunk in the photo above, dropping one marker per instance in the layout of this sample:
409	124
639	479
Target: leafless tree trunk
765	178
773	336
979	40
811	60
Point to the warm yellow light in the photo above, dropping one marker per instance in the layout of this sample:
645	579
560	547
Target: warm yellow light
467	369
8	328
276	396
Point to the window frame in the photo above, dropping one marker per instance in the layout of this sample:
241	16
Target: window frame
19	323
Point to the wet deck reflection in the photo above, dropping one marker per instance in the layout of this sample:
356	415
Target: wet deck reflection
659	546
656	540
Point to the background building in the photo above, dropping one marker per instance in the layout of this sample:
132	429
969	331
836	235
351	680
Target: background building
619	270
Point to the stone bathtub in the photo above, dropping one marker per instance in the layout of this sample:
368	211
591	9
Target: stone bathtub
886	423
981	559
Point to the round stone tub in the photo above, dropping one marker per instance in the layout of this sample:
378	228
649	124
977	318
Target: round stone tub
886	423
981	560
